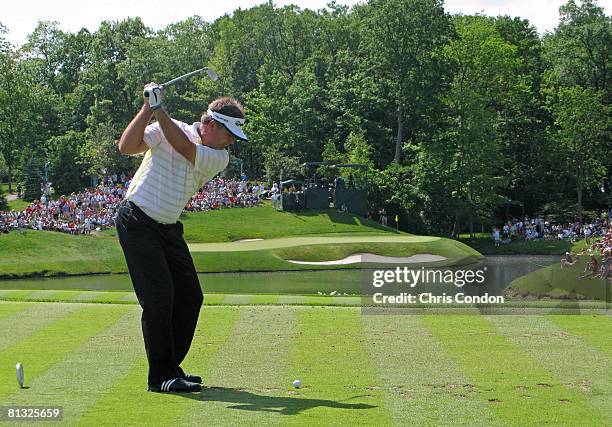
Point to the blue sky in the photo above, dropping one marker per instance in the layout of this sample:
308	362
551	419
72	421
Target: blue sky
21	16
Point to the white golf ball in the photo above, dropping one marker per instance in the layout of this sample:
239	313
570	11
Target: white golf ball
297	383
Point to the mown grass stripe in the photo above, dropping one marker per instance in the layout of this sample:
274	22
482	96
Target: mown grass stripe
65	296
422	385
312	300
338	379
237	299
102	296
573	363
249	373
85	374
17	294
499	370
8	308
291	299
344	300
128	403
265	299
213	299
594	330
52	343
128	297
43	294
30	319
88	296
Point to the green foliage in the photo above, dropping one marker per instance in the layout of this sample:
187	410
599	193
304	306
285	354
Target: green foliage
474	109
65	171
578	53
3	201
3	169
280	166
358	152
458	173
98	155
583	124
402	39
32	180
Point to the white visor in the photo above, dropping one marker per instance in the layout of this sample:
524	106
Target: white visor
232	124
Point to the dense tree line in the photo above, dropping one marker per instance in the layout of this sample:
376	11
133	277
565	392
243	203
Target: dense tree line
460	119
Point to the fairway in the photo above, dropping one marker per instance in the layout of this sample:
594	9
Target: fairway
355	368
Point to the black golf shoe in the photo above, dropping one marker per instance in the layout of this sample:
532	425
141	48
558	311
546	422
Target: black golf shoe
192	378
188	377
176	385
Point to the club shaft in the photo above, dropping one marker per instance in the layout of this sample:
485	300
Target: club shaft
184	76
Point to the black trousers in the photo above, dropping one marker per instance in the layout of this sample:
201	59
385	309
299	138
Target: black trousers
166	285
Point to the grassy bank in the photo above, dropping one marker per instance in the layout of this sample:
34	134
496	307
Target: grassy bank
38	253
263	222
556	282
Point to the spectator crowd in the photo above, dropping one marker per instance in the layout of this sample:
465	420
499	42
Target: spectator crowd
597	235
96	208
532	229
225	193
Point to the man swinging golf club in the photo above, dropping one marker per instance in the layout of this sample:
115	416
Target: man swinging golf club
179	159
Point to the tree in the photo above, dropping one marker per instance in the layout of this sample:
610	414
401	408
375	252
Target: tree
15	109
583	125
32	180
578	64
401	39
99	155
3	201
528	160
65	171
458	172
579	52
3	169
279	165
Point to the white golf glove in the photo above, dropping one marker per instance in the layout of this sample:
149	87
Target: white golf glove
153	92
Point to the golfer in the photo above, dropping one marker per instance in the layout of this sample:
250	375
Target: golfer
179	159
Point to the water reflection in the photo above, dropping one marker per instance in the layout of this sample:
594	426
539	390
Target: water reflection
500	271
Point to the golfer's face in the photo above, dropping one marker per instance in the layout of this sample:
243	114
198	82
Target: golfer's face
217	136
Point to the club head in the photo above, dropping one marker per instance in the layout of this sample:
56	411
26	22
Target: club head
211	73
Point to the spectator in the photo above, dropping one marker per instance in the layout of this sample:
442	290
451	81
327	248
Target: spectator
567	260
496	236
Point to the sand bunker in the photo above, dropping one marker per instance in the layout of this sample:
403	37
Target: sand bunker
249	240
376	259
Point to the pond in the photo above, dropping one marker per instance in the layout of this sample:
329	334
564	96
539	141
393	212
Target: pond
498	272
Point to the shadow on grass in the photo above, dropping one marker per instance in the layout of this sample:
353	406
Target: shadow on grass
248	401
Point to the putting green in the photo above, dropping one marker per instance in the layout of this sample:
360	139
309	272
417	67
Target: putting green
288	242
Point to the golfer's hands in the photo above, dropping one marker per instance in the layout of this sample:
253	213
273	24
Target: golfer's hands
153	94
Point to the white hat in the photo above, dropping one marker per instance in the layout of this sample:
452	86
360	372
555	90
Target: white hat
232	124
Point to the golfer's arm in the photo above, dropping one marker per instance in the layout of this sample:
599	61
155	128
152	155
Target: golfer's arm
175	136
131	141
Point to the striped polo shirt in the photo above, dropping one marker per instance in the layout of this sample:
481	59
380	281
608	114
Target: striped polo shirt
165	180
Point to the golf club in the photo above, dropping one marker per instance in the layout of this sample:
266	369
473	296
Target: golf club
211	73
